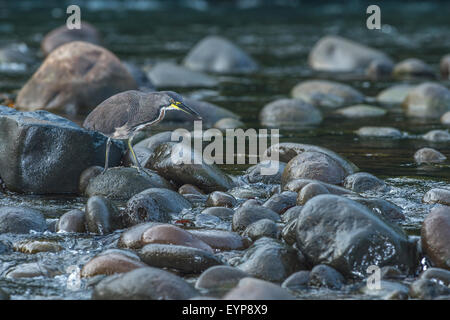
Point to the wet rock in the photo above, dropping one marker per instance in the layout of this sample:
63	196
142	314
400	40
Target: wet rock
289	113
101	215
189	189
220	277
310	191
140	77
217	54
31	270
435	235
64	151
314	165
325	276
228	123
221	240
445	66
334	53
388	272
254	173
271	260
211	113
206	177
203	220
379	132
281	202
255	289
363	181
220	212
21	220
123	183
437	136
144	284
72	221
361	111
86	176
291	214
30	246
442	276
411	68
154	204
426	289
388	290
183	259
170	234
298	184
289	232
378	69
169	75
74	79
387	210
289	150
347	236
297	280
437	195
326	94
63	35
247	215
132	237
394	95
427	100
111	263
220	199
428	155
262	228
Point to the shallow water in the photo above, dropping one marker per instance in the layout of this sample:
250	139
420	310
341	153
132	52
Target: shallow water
279	38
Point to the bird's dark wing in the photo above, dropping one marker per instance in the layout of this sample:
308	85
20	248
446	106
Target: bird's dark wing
114	112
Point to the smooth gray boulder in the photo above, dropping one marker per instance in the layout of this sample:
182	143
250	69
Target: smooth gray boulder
428	100
169	75
21	220
290	113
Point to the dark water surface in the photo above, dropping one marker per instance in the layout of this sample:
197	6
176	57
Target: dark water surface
279	38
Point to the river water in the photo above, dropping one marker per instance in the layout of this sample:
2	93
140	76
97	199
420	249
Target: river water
279	38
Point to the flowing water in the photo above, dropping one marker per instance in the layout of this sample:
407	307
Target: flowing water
279	38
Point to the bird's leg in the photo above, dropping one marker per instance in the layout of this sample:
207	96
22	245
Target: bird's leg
108	145
133	156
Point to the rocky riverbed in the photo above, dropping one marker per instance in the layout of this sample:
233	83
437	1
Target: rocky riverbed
363	156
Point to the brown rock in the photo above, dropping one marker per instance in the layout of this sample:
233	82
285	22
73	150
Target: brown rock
436	236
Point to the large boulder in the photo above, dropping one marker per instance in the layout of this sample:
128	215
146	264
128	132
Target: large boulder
411	68
62	35
347	236
44	153
169	75
394	95
217	54
436	236
334	53
289	113
74	79
428	100
205	176
327	94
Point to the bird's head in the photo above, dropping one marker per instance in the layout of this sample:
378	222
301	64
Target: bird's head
174	101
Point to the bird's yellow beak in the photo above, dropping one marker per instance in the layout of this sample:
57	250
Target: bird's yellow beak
182	107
